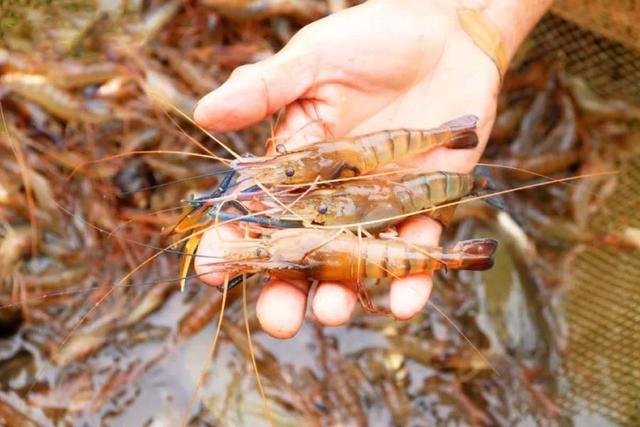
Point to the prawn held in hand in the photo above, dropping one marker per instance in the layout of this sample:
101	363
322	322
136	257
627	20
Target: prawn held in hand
357	155
327	255
377	203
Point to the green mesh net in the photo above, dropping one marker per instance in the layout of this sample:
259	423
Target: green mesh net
601	368
610	68
599	41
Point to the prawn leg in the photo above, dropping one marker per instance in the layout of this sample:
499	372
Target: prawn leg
234	203
252	189
235	281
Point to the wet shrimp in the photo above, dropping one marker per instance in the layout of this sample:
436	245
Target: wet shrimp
357	155
327	255
378	201
39	89
369	204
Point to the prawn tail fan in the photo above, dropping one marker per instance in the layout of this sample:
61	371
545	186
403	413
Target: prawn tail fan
463	132
476	253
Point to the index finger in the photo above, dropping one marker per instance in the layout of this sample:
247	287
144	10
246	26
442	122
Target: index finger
409	294
210	250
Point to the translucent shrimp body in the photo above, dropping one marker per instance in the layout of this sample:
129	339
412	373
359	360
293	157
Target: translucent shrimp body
326	255
357	155
375	199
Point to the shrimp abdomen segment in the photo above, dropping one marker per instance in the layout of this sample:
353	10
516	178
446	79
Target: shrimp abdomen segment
433	189
348	258
326	255
384	147
394	259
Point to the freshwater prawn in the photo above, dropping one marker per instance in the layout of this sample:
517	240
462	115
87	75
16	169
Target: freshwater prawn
327	255
371	200
355	155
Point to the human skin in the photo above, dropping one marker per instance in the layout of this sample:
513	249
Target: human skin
384	64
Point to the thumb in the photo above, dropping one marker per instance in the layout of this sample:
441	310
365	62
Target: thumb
255	91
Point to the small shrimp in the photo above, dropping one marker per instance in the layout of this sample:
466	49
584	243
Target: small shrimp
199	80
84	343
203	311
163	90
14	244
527	167
353	156
69	75
153	21
12	416
597	106
373	200
39	89
326	255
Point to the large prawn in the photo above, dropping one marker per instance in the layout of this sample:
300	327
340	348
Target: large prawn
356	155
327	255
374	201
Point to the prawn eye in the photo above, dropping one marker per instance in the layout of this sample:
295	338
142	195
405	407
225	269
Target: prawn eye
289	171
323	209
281	149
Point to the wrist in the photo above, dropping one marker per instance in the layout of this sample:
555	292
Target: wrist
514	19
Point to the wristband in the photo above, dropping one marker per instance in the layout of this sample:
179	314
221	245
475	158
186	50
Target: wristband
485	35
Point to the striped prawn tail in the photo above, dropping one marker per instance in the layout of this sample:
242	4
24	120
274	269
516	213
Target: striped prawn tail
474	254
460	133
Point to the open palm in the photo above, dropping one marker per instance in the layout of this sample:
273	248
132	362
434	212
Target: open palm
381	65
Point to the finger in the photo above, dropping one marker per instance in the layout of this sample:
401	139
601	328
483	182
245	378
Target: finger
333	303
281	307
210	250
255	91
408	295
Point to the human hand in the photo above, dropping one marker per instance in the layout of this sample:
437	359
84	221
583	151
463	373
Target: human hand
381	65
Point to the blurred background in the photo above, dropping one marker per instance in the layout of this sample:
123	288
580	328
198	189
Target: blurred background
549	336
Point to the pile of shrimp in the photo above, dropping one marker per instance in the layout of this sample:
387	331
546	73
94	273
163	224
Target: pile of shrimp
94	141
